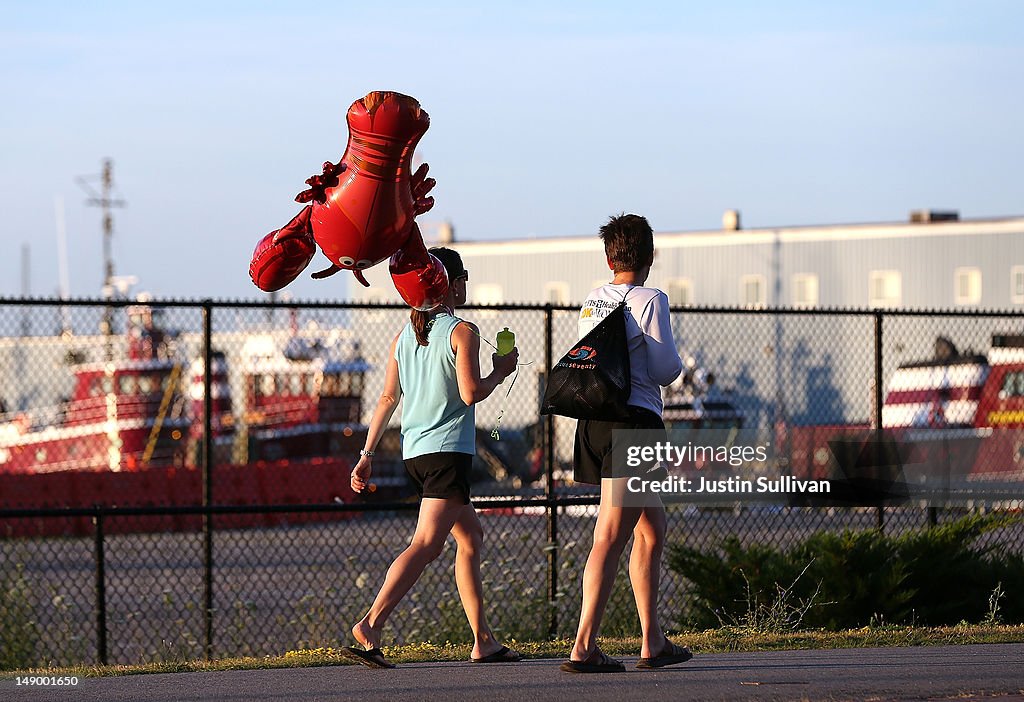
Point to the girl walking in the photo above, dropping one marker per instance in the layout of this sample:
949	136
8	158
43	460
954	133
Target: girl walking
434	363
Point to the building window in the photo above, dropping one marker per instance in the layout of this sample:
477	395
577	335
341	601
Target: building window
557	292
752	291
805	290
374	296
968	286
1017	284
487	294
885	289
680	291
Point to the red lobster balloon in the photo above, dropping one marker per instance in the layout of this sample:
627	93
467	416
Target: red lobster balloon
362	209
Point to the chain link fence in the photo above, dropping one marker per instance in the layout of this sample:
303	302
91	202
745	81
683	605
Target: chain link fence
178	488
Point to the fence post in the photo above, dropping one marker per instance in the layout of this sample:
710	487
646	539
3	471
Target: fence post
208	477
877	419
552	507
101	588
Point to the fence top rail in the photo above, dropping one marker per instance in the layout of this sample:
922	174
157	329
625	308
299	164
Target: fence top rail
536	307
101	511
994	497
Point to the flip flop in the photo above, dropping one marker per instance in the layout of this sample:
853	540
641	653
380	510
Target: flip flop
603	664
373	658
670	655
502	655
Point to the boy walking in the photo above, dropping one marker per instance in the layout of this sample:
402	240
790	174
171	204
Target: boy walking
654	362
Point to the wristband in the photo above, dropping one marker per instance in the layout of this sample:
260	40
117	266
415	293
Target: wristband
364	452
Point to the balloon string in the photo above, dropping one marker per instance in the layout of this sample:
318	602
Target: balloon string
504	401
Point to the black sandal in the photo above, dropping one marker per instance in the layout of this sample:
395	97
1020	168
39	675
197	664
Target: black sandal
597	663
374	658
502	655
670	655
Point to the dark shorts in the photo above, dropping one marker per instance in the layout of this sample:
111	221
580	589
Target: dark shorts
592	452
441	475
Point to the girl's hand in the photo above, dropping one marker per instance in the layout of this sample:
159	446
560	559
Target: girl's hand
361	474
505	365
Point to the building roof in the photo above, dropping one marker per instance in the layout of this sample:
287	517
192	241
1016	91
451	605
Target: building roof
761	235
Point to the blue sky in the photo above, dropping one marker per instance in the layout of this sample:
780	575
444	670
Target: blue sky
545	119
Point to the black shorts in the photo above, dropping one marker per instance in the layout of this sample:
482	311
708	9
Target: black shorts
441	475
592	450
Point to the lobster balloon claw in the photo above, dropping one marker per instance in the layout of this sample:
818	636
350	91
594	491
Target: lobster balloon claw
418	275
422	283
283	253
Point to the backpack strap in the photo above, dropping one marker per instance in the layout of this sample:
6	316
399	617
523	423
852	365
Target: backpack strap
622	302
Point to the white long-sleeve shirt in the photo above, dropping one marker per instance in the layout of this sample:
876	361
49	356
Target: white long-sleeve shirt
653	358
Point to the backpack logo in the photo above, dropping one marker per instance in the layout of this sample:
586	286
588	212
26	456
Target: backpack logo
582	353
581	358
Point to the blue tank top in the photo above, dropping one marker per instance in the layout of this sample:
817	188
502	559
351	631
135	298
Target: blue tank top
434	417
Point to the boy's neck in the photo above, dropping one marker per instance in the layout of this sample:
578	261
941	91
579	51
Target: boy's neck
631	277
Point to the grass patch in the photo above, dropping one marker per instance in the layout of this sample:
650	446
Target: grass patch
722	640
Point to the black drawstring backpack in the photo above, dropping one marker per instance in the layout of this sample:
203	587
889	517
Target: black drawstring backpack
592	380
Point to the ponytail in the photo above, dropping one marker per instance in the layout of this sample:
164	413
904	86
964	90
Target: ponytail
420	321
453	268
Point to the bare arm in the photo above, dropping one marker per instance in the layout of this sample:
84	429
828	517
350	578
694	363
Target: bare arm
385	409
472	387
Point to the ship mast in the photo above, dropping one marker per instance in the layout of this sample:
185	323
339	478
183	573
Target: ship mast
105	200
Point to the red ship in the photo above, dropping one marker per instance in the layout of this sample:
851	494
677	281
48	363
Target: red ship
957	419
122	415
131	433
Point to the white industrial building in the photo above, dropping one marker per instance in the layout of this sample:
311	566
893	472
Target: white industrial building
798	362
932	260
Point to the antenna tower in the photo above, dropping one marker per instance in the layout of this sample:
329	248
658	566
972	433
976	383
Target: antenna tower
104	198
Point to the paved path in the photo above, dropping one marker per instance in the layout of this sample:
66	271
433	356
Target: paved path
927	673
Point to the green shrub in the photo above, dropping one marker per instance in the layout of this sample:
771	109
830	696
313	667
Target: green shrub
722	580
859	576
933	576
952	577
1011	578
19	631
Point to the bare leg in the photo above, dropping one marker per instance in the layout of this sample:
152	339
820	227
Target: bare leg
469	537
612	531
645	574
435	522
